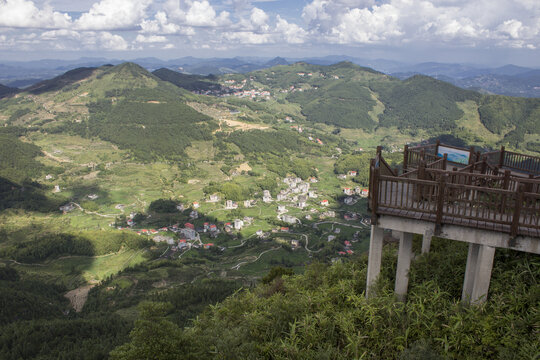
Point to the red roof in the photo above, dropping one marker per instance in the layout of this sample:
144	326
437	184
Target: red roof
349	251
189	225
182	240
341	252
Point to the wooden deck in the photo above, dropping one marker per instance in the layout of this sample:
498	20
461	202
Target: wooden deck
478	195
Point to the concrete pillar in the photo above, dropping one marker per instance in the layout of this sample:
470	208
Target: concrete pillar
403	265
375	258
482	277
426	241
470	270
478	273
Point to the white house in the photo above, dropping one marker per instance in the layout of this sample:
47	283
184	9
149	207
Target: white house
238	224
213	198
229	204
289	219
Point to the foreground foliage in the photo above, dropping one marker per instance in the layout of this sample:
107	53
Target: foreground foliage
324	314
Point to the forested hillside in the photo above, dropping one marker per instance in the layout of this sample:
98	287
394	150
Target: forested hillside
323	314
130	204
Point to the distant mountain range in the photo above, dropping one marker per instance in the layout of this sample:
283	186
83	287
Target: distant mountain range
509	80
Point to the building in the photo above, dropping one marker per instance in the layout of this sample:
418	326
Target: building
281	209
195	205
352	173
238	224
289	219
247	203
302	201
213	198
349	201
229	204
266	196
348	191
342	176
324	202
312	194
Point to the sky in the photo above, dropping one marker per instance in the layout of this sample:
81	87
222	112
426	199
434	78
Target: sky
486	32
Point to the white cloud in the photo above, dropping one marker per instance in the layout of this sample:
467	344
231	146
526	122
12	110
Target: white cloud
368	26
113	15
259	19
25	14
168	46
150	39
291	33
109	41
60	34
248	38
195	13
460	22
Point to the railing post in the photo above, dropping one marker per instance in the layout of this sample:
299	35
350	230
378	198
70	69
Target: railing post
445	161
530	185
501	157
440	203
483	167
405	158
379	150
437	147
370	184
471	154
505	184
375	195
517	211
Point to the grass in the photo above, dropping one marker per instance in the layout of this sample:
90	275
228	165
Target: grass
471	122
74	271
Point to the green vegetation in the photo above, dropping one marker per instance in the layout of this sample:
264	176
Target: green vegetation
120	143
151	131
323	314
188	82
421	102
345	104
502	113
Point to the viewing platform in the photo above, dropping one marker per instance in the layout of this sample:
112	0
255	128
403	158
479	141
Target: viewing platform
490	200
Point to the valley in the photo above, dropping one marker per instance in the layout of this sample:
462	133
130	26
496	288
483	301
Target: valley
128	186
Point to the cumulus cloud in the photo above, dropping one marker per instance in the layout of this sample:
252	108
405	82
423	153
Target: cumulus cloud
458	21
25	14
196	13
248	38
150	39
109	41
291	33
113	15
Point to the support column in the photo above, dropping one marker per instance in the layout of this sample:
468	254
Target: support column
470	270
478	273
375	258
403	265
482	278
426	241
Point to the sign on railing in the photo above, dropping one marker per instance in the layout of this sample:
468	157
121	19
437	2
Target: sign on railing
454	155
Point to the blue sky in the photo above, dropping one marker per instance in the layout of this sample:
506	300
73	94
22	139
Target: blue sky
488	32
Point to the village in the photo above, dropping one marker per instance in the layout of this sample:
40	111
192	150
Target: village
298	206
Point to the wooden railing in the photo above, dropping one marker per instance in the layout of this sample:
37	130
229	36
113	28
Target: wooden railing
521	162
445	201
480	194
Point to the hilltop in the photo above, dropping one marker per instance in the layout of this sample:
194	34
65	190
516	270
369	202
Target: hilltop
125	186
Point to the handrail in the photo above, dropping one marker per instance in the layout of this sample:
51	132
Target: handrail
441	201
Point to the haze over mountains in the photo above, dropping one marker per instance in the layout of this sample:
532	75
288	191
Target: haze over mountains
505	80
